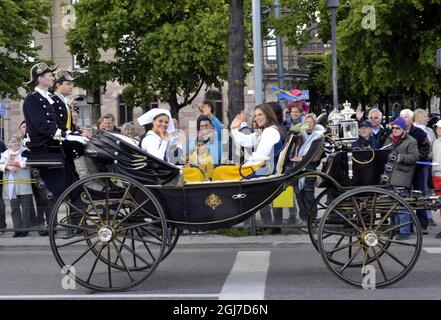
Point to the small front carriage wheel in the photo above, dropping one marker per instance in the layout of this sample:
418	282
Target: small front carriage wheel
369	237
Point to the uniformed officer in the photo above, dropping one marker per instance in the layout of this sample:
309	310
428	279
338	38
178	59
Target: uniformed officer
45	134
63	85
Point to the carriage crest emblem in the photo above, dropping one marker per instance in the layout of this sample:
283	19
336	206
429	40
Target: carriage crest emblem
213	201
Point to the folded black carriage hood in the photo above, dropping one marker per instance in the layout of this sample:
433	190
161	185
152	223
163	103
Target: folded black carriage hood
121	155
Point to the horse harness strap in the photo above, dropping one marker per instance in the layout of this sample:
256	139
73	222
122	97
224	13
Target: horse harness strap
388	167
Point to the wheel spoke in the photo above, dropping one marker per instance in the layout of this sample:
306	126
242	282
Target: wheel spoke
358	213
374	205
377	258
346	219
133	212
120	249
134	226
386	216
85	215
84	253
350	248
71	226
75	241
123	262
93	204
398	226
120	203
134	238
327	236
133	247
341	248
109	268
338	233
350	260
399	242
134	253
145	246
95	262
153	235
107	209
391	255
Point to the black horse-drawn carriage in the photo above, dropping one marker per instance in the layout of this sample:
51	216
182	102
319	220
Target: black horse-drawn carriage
129	217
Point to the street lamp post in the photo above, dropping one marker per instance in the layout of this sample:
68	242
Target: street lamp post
257	48
279	51
332	6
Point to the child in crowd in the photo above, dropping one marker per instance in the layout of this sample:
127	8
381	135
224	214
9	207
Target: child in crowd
17	189
201	157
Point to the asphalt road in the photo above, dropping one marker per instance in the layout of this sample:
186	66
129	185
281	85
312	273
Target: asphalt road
260	272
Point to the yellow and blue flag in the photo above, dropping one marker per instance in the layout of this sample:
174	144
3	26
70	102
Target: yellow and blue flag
285	95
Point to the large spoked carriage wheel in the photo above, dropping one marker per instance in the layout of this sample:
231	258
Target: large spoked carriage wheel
358	242
109	232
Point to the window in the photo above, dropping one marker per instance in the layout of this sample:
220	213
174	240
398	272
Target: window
216	98
154	103
125	112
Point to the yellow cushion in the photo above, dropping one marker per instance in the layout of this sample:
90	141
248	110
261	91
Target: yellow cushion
285	199
232	172
192	174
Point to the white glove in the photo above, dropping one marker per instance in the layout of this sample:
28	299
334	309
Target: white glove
79	139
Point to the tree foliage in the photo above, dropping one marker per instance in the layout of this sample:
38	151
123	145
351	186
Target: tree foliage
396	54
18	20
166	48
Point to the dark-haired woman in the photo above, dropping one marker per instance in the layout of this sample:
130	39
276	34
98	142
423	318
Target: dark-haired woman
267	140
158	124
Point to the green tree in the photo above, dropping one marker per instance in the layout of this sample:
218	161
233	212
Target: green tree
18	21
166	48
236	59
396	54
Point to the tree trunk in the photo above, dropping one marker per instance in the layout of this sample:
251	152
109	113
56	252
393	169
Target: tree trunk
174	105
236	51
424	100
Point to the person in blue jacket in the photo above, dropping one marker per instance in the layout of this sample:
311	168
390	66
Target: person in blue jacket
205	128
207	109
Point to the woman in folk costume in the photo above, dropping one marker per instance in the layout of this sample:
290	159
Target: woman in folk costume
18	189
158	124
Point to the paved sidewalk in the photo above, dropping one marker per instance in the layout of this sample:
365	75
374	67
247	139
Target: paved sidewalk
31	242
36	242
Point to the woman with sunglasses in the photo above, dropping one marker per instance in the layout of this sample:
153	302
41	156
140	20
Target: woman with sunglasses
405	148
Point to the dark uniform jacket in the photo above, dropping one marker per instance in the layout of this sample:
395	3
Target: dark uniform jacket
404	167
41	121
381	136
61	113
423	142
362	143
72	149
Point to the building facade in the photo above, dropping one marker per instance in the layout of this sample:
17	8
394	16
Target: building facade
109	100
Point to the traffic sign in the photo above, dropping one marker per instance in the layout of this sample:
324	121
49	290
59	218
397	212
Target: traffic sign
2	109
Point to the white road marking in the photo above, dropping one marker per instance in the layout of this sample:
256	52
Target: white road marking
247	278
104	296
432	249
